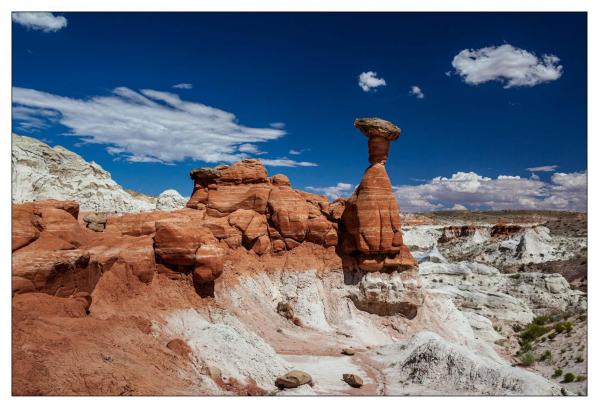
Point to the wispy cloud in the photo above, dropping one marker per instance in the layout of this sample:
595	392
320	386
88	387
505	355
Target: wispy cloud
285	162
46	22
416	91
148	125
507	64
333	192
277	125
297	152
183	85
368	80
553	167
565	191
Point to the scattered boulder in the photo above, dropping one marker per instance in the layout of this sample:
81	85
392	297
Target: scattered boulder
293	379
179	347
214	373
348	351
353	380
95	221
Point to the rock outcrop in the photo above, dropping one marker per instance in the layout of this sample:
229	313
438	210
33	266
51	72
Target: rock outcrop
266	213
41	172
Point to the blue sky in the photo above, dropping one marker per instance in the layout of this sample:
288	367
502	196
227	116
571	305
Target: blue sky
262	85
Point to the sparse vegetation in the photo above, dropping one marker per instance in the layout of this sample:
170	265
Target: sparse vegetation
564	326
557	373
533	331
580	378
546	356
569	377
527	359
579	359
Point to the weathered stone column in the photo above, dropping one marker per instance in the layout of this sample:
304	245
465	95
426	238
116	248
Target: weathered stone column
371	218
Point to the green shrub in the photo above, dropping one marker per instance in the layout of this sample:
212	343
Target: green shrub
582	318
546	356
552	335
541	320
569	377
527	359
557	373
525	347
533	331
562	327
580	378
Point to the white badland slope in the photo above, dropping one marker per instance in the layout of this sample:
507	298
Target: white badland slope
41	172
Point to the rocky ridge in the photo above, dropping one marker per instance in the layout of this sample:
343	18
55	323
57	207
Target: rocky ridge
41	172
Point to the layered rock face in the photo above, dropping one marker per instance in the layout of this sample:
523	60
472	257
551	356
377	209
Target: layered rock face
371	225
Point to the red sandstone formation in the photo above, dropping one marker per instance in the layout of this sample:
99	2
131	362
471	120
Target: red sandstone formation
371	225
505	230
454	232
71	282
232	207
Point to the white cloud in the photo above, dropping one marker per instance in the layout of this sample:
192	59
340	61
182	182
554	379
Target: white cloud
148	125
285	162
46	22
333	192
553	167
565	191
368	80
459	207
183	85
277	125
507	64
249	148
416	91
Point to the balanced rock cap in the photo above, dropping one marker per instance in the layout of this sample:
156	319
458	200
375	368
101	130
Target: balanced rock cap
376	127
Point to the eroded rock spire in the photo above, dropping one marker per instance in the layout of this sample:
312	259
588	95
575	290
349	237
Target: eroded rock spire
371	218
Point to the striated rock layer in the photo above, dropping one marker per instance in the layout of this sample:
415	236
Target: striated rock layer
371	225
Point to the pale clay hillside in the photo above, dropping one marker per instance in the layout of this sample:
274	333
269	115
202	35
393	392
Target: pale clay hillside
41	172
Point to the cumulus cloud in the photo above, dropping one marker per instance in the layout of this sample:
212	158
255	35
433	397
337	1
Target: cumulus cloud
183	85
416	91
507	64
333	192
149	125
368	80
553	167
565	191
46	22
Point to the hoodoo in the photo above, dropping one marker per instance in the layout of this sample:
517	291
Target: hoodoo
372	231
